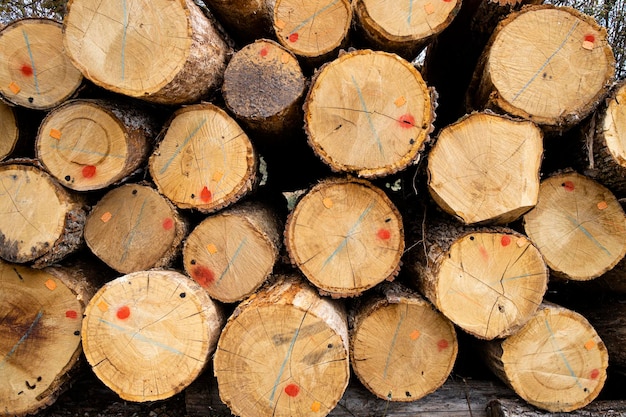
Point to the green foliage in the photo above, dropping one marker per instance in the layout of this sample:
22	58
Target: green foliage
17	9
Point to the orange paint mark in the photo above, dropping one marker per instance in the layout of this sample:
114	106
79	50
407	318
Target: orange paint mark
123	312
50	284
316	406
285	57
594	374
569	186
106	217
103	306
505	241
590	344
407	121
205	195
442	345
27	70
211	248
293	38
429	8
590	38
589	41
483	253
327	202
89	171
263	52
202	275
602	205
384	234
14	88
415	334
292	390
217	175
400	101
168	223
55	134
71	314
280	24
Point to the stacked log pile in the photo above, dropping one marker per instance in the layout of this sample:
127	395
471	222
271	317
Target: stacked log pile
271	208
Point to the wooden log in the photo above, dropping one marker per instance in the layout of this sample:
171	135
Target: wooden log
233	252
488	281
517	408
163	51
91	144
147	335
404	28
401	348
488	13
559	79
40	222
346	236
313	30
205	160
264	88
284	352
578	226
41	314
369	113
556	362
9	131
35	71
134	228
485	168
244	20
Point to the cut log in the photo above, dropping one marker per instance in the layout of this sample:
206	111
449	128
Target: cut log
40	320
561	74
284	352
517	408
488	281
404	28
369	113
205	160
314	30
91	144
233	252
149	334
40	222
346	236
401	348
9	131
556	362
134	228
245	20
578	226
264	88
162	51
35	72
488	13
485	168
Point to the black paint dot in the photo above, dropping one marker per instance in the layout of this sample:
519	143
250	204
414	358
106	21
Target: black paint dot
67	178
330	346
183	295
412	141
471	237
134	192
30	99
76	333
193	262
193	196
408	394
38	378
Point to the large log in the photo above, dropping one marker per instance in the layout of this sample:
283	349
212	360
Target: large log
9	130
245	20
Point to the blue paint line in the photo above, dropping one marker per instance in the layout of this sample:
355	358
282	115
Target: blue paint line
287	356
313	16
368	115
138	336
32	60
344	242
408	18
393	343
579	226
231	261
182	146
133	232
84	151
24	337
565	361
123	51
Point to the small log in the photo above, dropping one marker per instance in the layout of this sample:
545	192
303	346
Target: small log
147	335
556	362
91	144
314	30
401	348
404	28
517	408
264	88
284	352
9	131
35	72
578	226
485	168
245	20
40	221
488	281
233	252
134	228
164	51
205	160
369	113
558	80
42	312
346	236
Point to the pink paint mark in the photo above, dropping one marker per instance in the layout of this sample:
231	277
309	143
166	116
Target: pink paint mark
89	171
292	390
384	234
168	224
590	38
569	186
263	52
506	240
123	312
442	345
27	70
203	275
484	253
205	195
71	314
293	37
407	121
595	374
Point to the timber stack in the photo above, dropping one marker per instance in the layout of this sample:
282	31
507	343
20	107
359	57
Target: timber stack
274	208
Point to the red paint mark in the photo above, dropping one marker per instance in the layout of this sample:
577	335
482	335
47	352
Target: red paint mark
89	171
383	234
569	186
263	52
292	390
442	345
203	275
447	1
205	195
293	37
27	70
590	38
71	314
123	312
484	253
595	374
168	224
506	240
407	121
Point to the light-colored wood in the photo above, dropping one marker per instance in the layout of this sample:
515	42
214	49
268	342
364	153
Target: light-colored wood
233	252
41	313
147	335
314	30
554	77
578	226
369	113
485	168
245	20
163	51
556	362
205	160
40	222
35	72
9	130
91	144
264	88
346	236
134	228
488	281
401	348
404	28
284	352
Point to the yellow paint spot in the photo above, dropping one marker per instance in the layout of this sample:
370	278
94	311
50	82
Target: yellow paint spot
429	8
106	217
103	306
400	101
328	203
55	134
217	176
415	334
590	344
50	284
602	205
14	88
316	406
211	248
